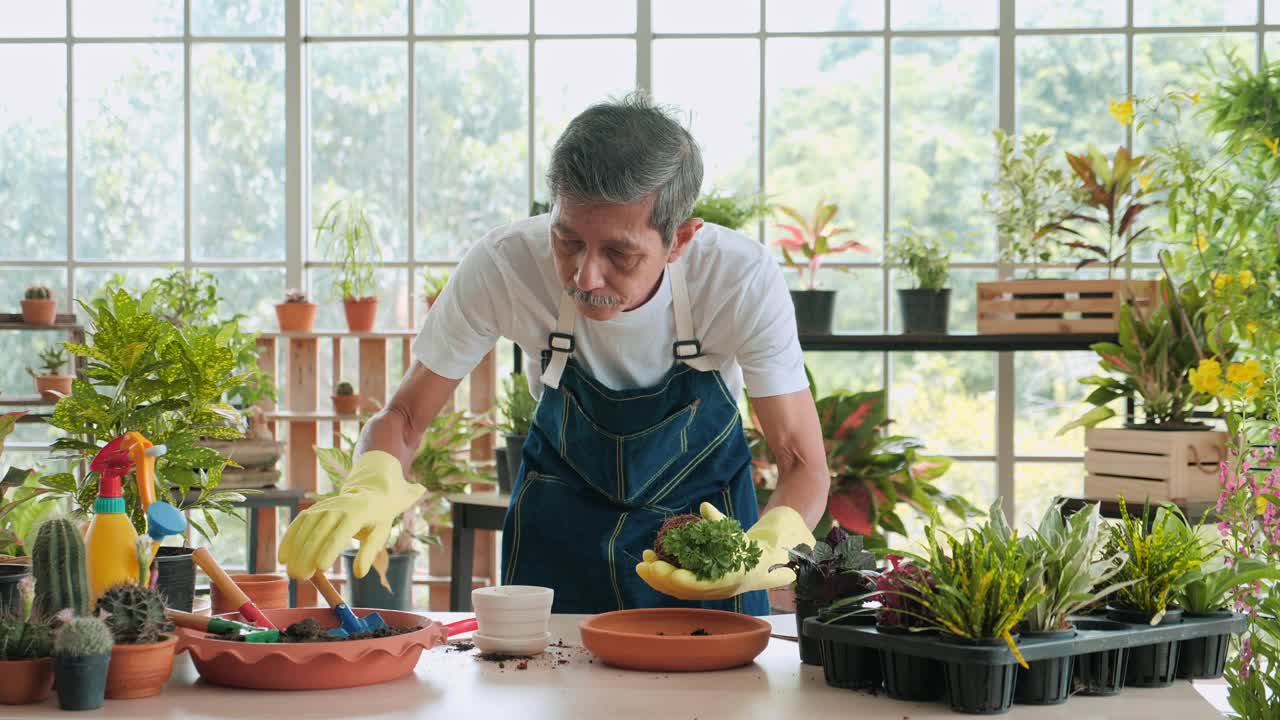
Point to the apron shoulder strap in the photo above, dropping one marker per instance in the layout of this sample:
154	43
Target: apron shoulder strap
560	342
687	348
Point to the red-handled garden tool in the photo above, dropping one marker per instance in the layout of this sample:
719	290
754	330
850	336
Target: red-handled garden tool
220	626
228	587
351	625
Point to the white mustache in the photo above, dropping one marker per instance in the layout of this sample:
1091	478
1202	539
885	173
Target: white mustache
587	298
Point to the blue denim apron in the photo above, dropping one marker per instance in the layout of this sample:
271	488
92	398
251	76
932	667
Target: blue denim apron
602	468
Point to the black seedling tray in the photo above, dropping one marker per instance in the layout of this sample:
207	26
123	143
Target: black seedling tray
1124	635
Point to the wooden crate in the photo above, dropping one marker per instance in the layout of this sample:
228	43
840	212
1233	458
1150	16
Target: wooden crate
1153	464
1057	306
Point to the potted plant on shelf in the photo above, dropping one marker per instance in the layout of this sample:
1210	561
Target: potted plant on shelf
731	211
39	306
433	282
26	668
296	313
51	383
926	306
834	568
516	406
81	656
142	654
1161	553
977	595
441	465
1030	194
348	240
1069	577
812	238
345	399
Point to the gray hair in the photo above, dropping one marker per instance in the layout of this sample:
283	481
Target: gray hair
624	151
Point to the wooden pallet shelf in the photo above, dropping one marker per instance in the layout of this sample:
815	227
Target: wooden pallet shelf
26	401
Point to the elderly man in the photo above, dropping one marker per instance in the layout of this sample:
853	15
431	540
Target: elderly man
646	324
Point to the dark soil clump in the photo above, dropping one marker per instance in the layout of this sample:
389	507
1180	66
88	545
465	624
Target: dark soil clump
309	631
675	521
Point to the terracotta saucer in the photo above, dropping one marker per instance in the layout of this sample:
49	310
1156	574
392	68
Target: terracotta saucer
663	639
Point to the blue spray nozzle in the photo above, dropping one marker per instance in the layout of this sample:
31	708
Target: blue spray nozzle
163	520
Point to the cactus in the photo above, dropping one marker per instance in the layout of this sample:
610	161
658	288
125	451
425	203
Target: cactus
134	614
22	640
344	388
38	292
83	637
295	296
57	561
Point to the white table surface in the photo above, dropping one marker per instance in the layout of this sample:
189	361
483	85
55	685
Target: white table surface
458	685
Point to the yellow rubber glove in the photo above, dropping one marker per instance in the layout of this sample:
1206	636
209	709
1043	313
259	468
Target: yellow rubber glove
374	493
778	530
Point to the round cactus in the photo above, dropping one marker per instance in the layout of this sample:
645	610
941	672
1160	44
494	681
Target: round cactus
38	292
83	637
344	388
134	614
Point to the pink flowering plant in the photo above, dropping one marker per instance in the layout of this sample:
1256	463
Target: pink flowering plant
1248	515
813	237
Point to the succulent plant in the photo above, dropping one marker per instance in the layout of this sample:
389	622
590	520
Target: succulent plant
344	388
58	564
23	639
295	296
38	292
134	614
83	637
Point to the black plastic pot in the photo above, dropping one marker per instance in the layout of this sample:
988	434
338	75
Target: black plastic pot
1204	658
1100	673
924	311
176	577
1045	682
367	592
500	465
810	648
515	448
910	677
1150	665
978	688
10	575
815	310
81	682
851	666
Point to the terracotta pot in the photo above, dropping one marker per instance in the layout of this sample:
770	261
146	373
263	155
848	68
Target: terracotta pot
23	682
266	591
40	312
664	640
361	313
346	404
313	666
53	387
138	671
296	317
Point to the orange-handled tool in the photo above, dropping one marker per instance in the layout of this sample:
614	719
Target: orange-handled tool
226	585
145	466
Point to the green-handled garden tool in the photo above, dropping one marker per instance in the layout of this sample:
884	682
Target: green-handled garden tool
219	626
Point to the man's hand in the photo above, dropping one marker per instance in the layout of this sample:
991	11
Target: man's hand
374	493
778	530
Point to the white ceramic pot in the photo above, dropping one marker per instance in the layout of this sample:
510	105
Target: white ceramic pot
499	628
517	612
512	597
512	646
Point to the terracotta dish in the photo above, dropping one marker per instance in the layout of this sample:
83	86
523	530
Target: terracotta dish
675	639
311	666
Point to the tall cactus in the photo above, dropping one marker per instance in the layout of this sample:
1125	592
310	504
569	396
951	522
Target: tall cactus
57	561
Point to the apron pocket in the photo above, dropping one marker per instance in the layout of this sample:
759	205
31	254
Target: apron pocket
623	466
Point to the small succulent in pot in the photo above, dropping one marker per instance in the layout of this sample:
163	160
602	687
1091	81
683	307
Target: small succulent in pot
38	306
345	399
38	292
85	636
294	295
344	388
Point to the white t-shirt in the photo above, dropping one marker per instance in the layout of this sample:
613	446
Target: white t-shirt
506	286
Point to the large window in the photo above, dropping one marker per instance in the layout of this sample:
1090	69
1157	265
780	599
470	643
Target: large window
212	134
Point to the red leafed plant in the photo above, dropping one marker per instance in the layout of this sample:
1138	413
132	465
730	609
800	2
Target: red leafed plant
872	472
811	237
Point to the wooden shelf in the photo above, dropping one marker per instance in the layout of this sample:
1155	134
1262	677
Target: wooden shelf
25	401
63	321
967	342
377	334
